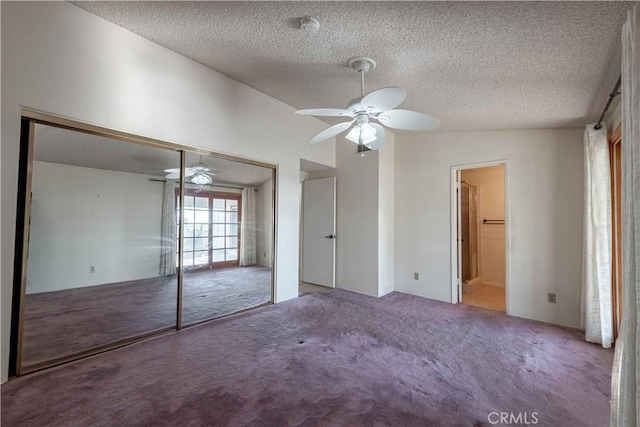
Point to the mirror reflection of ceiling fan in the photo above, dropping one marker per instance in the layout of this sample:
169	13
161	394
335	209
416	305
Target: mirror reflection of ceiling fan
379	105
198	173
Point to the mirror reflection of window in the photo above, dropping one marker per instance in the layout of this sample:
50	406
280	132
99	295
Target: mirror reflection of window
102	250
211	232
228	237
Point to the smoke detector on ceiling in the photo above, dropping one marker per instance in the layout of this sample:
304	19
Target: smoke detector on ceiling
309	25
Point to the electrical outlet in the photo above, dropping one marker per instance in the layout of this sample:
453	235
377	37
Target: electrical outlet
416	276
551	298
92	269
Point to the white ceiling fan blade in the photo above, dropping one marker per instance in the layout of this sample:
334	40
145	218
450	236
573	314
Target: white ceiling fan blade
175	173
384	99
380	137
407	120
325	112
330	132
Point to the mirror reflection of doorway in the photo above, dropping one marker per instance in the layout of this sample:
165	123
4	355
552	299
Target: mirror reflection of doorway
105	264
482	237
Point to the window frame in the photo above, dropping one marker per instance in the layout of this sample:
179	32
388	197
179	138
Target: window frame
615	160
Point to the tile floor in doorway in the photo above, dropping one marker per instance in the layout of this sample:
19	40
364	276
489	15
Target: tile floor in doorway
486	296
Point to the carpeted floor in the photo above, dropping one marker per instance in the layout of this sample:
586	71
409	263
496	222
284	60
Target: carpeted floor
66	322
330	358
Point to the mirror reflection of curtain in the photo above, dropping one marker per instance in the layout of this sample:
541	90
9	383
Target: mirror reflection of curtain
247	228
168	240
596	282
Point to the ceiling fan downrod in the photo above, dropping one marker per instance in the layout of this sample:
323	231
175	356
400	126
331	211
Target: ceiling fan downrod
362	64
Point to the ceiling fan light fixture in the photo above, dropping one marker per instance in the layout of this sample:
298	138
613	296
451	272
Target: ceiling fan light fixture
201	179
364	133
354	134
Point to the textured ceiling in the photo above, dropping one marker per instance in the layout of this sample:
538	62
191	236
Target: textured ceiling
56	145
473	65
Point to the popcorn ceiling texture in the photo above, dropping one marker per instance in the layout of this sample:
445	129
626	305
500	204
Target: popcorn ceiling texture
473	65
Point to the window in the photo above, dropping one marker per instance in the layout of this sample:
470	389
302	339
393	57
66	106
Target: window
211	229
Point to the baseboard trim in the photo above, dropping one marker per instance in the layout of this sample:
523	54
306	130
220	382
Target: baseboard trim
356	291
474	283
385	291
495	285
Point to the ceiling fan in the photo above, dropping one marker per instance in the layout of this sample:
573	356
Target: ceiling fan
198	172
378	105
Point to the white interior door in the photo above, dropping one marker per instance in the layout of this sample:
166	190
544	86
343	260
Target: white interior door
319	231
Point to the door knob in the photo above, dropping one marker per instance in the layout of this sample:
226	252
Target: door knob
330	236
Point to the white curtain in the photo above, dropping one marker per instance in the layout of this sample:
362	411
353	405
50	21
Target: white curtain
625	384
248	228
168	242
596	265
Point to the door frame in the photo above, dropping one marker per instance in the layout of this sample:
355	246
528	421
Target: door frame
456	284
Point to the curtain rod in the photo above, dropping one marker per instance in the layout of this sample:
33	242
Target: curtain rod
207	185
612	95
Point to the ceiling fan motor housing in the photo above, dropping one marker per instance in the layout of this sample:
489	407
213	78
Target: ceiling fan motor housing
362	117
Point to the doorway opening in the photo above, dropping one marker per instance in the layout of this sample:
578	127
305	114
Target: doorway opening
479	238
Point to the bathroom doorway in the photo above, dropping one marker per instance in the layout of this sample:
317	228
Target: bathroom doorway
480	236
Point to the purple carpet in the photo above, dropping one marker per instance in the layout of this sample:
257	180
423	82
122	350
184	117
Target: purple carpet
330	358
67	322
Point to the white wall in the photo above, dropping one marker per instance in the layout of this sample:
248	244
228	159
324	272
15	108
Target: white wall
85	217
490	185
544	187
356	219
365	213
62	60
264	223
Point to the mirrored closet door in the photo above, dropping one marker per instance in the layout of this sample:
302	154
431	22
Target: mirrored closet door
124	238
102	247
228	235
